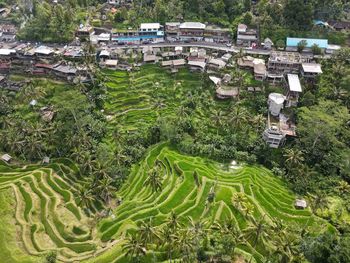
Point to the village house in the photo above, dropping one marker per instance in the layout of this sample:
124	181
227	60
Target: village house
310	70
293	90
285	62
174	65
279	125
300	204
152	32
7	33
339	25
217	34
110	63
6	158
268	44
216	64
191	31
246	37
172	30
84	32
123	36
257	64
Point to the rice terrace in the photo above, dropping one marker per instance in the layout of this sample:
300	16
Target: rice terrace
47	217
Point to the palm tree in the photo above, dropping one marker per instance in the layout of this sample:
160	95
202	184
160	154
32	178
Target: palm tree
239	200
186	243
134	248
294	157
105	189
154	179
257	230
148	233
287	248
84	196
343	188
239	117
173	222
318	201
248	209
217	118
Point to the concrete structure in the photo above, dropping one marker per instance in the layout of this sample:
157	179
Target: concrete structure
285	62
246	37
276	102
310	70
293	90
191	31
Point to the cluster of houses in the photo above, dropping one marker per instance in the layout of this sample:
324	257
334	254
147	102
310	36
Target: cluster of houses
286	67
155	33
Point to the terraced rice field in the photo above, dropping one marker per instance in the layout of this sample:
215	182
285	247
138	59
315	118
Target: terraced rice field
137	98
46	216
45	213
180	194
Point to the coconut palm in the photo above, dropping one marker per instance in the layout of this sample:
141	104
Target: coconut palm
294	157
84	195
148	233
218	118
248	209
238	117
257	230
239	200
133	248
343	188
186	244
154	179
318	201
173	222
105	189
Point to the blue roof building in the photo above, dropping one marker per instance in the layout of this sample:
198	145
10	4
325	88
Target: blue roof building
293	42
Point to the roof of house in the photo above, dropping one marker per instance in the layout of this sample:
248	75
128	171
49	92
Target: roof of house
247	37
43	50
194	63
293	42
6	157
111	62
66	69
148	58
172	23
227	93
104	53
300	203
339	24
294	83
6	51
266	40
192	25
149	26
214	79
311	67
217	62
276	98
260	69
242	27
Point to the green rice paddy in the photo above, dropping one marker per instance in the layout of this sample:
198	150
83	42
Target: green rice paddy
47	216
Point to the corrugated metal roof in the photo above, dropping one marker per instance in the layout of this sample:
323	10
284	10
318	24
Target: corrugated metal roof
293	42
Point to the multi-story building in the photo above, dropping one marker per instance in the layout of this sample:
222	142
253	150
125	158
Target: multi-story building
285	62
246	37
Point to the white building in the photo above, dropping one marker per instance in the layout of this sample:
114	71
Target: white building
275	101
293	90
